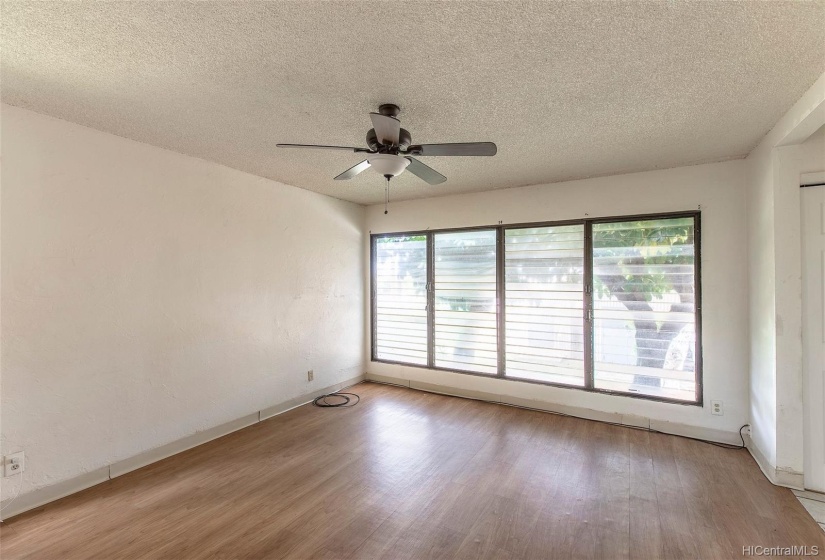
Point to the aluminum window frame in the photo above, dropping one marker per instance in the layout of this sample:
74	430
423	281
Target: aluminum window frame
587	299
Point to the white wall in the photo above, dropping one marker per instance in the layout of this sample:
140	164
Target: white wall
762	301
773	172
791	163
717	188
148	295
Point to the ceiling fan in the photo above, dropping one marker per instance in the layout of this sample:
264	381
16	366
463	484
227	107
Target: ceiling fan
391	149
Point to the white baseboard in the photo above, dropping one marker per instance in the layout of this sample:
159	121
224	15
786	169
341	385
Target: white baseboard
452	391
630	420
762	461
778	476
695	432
790	478
309	397
388	380
43	496
140	460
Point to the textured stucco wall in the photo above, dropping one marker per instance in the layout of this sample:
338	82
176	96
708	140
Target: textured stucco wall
148	295
717	188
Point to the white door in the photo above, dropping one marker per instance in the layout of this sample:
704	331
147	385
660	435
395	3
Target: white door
813	334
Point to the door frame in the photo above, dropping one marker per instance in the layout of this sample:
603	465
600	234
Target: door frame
813	382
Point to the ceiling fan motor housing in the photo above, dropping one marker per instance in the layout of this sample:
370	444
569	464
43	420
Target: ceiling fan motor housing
389	109
404	140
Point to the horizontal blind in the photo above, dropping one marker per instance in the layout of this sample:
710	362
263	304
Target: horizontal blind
645	307
544	298
401	299
465	301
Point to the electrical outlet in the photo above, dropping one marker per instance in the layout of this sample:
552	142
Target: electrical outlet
14	463
310	375
717	408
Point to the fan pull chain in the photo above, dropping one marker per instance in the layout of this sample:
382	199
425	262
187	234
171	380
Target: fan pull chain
387	195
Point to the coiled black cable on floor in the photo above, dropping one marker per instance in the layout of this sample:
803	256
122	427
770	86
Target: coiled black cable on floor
345	403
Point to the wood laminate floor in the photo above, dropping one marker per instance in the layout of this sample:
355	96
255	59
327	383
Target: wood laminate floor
407	474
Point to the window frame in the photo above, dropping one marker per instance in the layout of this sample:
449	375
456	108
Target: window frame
431	301
587	301
374	299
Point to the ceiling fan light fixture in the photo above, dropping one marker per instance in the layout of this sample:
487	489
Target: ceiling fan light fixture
388	164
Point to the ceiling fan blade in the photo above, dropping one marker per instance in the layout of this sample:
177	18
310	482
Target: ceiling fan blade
386	128
353	171
425	172
316	147
460	149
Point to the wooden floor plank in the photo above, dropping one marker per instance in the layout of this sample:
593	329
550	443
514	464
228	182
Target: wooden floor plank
408	474
644	528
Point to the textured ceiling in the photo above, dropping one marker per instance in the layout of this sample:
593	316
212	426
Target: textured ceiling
566	90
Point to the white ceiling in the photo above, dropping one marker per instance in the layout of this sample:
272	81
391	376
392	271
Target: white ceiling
566	90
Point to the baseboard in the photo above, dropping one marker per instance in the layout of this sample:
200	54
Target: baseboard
578	412
695	432
630	420
141	460
388	380
309	397
777	476
454	391
764	465
790	478
45	495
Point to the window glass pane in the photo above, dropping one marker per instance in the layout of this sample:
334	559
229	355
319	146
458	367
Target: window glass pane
644	307
401	299
544	271
465	301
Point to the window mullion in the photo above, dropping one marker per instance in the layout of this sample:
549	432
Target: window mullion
500	307
697	312
373	296
430	301
587	308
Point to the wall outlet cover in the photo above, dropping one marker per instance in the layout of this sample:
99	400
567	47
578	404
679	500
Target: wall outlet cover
14	463
717	408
